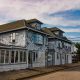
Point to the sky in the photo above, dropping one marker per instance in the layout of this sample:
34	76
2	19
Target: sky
64	14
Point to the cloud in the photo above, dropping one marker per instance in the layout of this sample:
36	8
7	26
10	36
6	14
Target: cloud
19	9
26	9
73	36
70	30
73	14
59	21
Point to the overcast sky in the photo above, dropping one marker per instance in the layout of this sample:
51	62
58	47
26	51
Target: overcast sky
64	14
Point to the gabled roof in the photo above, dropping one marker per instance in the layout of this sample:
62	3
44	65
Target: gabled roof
17	25
55	29
46	30
33	20
11	26
54	36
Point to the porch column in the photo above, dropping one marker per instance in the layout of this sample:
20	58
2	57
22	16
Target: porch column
18	56
9	56
4	55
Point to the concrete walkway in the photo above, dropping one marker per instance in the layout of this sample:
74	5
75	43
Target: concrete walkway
29	73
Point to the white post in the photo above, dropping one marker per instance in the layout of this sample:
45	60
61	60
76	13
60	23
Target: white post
9	56
18	56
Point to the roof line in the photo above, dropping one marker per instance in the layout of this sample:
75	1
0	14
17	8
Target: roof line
61	39
24	28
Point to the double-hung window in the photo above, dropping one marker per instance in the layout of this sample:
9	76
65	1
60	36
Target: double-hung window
7	56
22	56
35	56
39	39
34	38
2	55
13	37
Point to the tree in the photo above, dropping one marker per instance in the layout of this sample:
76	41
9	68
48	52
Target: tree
78	50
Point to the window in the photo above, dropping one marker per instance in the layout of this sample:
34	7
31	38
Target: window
37	38
46	40
57	56
35	55
63	44
21	56
16	57
2	56
12	56
34	38
69	48
13	37
7	57
59	45
40	39
1	38
24	56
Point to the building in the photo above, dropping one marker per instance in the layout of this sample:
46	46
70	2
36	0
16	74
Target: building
59	49
23	44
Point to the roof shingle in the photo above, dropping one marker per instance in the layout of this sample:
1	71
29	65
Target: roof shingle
17	25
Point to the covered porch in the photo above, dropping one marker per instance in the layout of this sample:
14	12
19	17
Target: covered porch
13	58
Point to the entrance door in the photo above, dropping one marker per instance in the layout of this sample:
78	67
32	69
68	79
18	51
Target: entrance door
50	58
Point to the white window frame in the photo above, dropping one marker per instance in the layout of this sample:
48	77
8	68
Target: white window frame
35	53
13	36
22	56
8	56
4	56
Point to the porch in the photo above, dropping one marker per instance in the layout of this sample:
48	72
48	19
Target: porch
13	58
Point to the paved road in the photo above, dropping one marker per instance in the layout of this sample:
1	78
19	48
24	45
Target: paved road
69	74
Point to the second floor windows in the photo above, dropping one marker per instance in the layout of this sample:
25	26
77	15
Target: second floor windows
37	38
40	39
13	37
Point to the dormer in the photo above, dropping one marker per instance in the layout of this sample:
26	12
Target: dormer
57	31
34	23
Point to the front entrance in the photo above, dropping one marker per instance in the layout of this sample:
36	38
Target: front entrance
50	58
32	58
